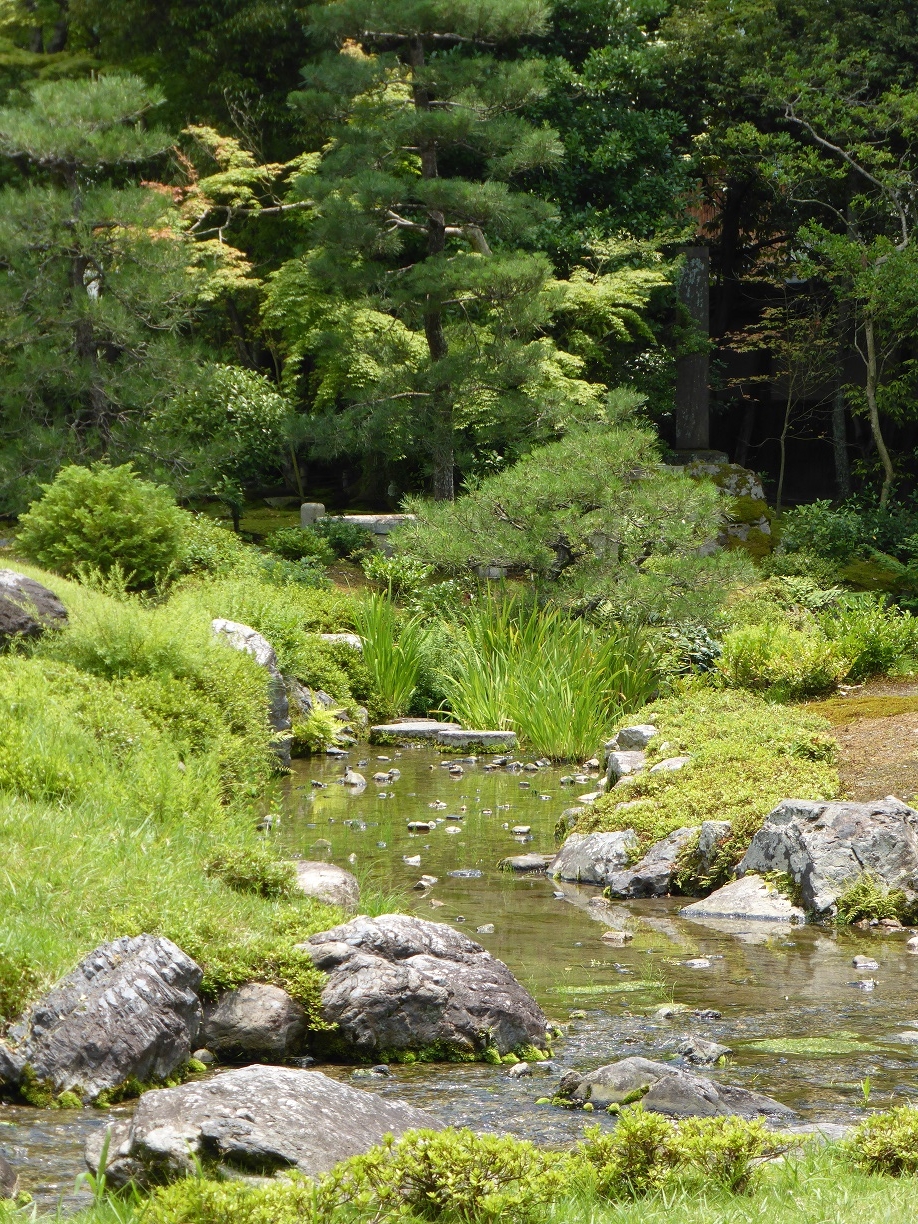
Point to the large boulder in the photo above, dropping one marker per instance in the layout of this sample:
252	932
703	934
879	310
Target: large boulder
244	637
254	1021
327	883
400	983
825	847
27	608
624	765
259	1119
667	1090
750	898
129	1010
652	876
593	858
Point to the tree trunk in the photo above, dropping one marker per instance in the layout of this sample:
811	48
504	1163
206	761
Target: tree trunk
692	394
840	443
782	444
871	390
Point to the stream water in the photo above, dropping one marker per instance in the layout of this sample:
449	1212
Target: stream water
798	1025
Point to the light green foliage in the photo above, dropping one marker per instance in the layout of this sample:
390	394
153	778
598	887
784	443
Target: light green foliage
728	1151
887	1142
400	575
558	682
868	897
254	869
783	663
315	733
394	648
134	745
195	1200
635	1158
104	517
453	1174
580	511
875	637
747	755
295	544
209	548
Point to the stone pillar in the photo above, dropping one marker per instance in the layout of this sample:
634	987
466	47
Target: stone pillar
309	512
692	393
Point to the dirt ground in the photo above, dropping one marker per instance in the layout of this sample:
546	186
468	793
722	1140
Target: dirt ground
878	755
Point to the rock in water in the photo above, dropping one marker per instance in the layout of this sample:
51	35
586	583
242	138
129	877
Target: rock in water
748	898
255	1021
667	1090
593	858
825	847
652	876
401	983
259	1119
328	883
129	1009
9	1180
244	637
27	608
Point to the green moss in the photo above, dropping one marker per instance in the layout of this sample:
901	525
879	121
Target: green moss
747	755
842	710
835	1045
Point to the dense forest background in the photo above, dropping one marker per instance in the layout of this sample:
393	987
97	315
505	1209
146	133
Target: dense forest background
354	250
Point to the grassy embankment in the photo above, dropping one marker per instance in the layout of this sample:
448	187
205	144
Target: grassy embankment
134	758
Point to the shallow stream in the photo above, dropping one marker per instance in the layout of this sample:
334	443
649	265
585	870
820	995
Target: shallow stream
799	1027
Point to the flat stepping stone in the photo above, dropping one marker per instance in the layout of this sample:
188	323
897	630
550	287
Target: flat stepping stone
749	898
526	862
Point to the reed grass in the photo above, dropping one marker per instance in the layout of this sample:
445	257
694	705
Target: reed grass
559	683
394	649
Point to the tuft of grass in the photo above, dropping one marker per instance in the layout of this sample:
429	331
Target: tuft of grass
559	683
394	649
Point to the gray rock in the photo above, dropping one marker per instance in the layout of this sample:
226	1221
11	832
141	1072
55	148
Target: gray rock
634	738
526	862
410	729
354	640
519	1070
865	963
824	847
483	741
593	858
310	512
670	765
623	764
680	1094
401	983
700	1051
9	1180
255	1021
652	876
27	608
257	1118
243	637
711	836
130	1008
328	883
748	898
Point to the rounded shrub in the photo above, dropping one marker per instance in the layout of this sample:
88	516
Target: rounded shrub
344	539
635	1158
887	1142
105	519
299	544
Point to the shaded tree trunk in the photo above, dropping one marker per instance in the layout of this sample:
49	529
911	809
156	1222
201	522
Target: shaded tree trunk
692	393
889	474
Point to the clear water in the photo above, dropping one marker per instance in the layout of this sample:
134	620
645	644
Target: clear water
790	984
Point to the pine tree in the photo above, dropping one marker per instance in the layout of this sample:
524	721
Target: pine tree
96	286
420	313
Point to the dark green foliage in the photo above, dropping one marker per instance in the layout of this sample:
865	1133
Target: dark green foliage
867	897
345	539
297	544
838	533
101	518
255	869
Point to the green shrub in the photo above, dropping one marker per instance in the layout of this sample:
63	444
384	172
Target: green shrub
559	683
209	548
747	754
308	572
104	517
315	733
344	539
453	1174
197	1200
402	577
875	638
297	544
838	533
638	1156
785	664
254	869
867	897
728	1151
886	1142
